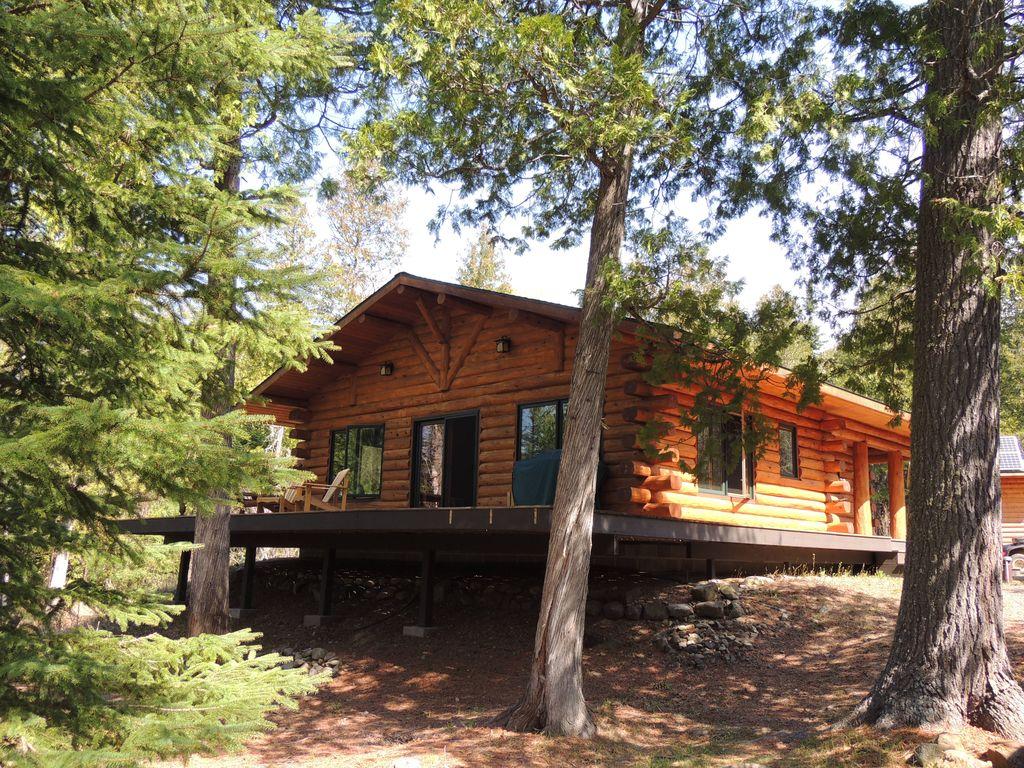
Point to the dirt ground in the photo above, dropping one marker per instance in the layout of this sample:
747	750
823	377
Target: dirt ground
432	700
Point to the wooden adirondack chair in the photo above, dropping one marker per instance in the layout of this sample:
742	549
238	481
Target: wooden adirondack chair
338	487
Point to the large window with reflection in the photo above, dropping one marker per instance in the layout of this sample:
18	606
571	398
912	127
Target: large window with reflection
541	427
361	450
722	464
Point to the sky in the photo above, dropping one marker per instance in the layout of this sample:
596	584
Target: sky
542	273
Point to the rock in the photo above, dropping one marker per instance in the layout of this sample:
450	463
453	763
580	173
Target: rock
928	755
317	654
728	591
593	607
634	611
704	592
949	741
679	611
655	611
734	610
1003	754
963	759
710	609
614	610
755	581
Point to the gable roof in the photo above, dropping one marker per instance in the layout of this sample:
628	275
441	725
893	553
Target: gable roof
393	308
1011	458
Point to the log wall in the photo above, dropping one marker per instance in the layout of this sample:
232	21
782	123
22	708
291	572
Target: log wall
538	369
493	384
1013	507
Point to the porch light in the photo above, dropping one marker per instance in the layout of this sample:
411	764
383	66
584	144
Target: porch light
503	345
386	369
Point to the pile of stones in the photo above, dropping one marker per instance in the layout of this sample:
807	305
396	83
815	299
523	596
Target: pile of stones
708	600
311	660
948	751
714	628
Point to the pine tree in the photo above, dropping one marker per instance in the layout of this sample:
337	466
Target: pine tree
584	120
909	130
483	267
271	112
113	233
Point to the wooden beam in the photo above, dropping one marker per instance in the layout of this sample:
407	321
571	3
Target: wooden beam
537	321
393	325
861	490
424	357
463	353
421	305
469	306
897	497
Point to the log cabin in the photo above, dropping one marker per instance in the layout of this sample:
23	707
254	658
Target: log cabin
1011	479
438	395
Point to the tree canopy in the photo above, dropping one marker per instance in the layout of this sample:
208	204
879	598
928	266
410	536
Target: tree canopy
114	240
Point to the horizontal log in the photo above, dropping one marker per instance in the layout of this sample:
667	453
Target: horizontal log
723	504
840	485
790	503
790	491
732	518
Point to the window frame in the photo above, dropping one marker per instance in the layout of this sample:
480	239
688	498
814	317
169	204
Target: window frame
748	466
333	445
560	414
792	429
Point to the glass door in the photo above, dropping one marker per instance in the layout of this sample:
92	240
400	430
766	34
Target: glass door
444	461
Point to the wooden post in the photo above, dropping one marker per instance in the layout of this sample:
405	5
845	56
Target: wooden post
326	593
709	568
327	583
181	588
897	497
247	577
861	490
425	618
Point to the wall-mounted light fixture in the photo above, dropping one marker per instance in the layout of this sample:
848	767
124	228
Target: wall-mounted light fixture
386	369
503	345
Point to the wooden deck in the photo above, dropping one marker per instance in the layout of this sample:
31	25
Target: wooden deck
484	531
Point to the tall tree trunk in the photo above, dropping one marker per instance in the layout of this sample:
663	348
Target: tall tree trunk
948	665
554	696
208	604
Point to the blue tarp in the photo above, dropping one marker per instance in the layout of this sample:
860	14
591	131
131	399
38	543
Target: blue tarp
534	479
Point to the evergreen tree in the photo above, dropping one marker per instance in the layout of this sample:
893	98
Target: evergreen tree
274	115
909	130
483	267
114	234
583	119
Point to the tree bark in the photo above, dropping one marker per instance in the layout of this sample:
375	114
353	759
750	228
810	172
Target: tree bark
554	699
948	665
209	599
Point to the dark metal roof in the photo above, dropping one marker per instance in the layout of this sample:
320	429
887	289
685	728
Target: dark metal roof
1011	459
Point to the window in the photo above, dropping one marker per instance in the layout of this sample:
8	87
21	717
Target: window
723	467
789	465
541	427
361	450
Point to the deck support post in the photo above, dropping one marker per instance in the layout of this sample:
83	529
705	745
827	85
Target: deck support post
248	573
709	568
897	497
326	593
181	588
425	616
861	490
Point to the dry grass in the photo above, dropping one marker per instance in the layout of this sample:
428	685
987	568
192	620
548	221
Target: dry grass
826	638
